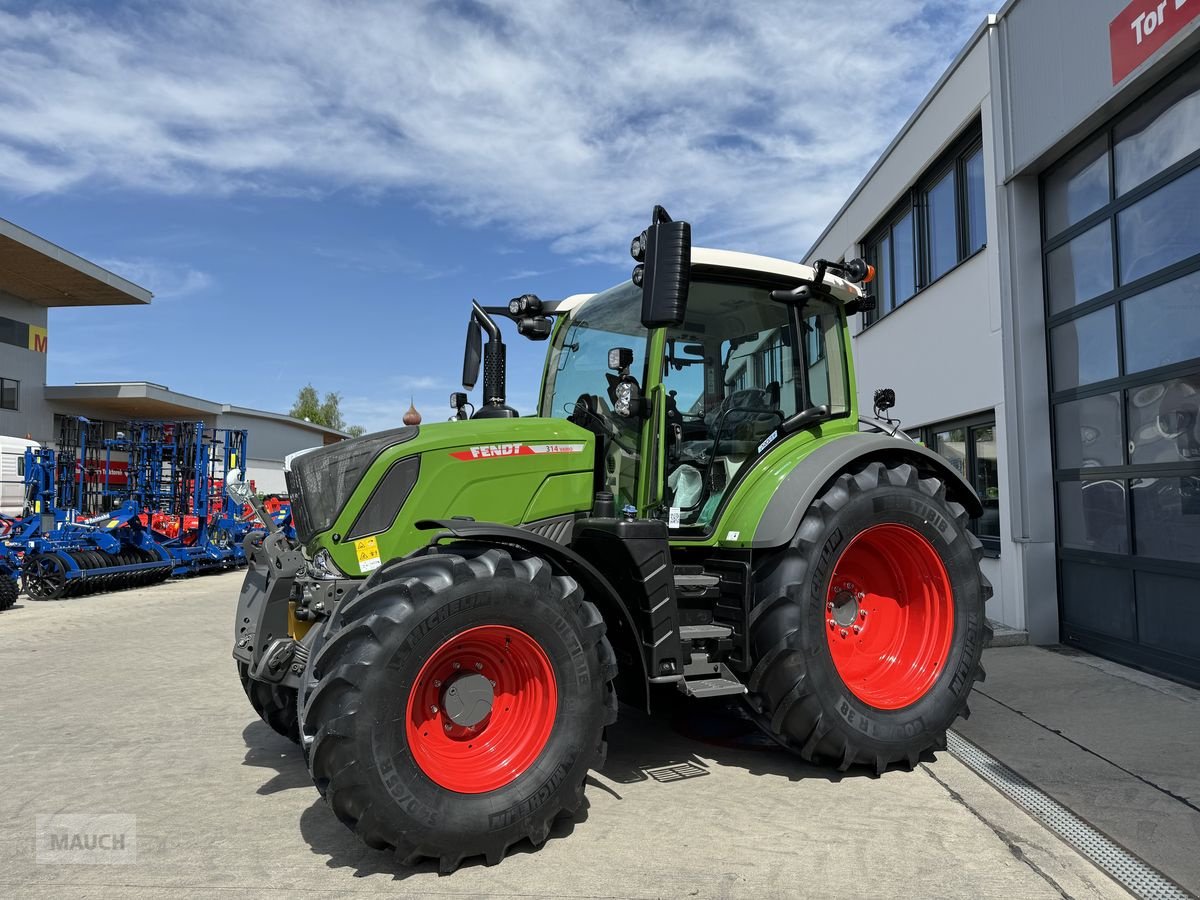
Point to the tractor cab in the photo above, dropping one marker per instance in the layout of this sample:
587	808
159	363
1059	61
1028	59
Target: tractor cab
748	364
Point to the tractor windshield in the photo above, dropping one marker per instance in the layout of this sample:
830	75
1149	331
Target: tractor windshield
576	386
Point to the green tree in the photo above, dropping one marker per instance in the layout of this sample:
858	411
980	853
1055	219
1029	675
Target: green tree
310	407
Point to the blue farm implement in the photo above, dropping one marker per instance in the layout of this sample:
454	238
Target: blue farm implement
62	552
174	472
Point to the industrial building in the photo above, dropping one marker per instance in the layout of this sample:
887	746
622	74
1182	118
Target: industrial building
37	276
1036	234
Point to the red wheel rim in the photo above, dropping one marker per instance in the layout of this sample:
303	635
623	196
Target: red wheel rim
889	616
473	757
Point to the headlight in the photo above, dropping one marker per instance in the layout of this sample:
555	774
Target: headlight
624	397
323	566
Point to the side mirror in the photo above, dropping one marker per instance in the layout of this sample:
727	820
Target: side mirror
472	354
664	255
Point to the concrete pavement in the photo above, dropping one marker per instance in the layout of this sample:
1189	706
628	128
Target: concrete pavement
1116	746
128	703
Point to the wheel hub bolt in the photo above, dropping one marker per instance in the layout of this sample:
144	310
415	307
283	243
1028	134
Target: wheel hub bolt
433	710
862	613
457	666
447	726
844	632
436	683
832	623
478	667
829	606
857	629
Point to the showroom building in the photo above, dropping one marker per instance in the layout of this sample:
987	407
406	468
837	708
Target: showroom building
1036	231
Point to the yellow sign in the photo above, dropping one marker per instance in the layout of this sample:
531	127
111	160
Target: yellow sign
368	554
37	339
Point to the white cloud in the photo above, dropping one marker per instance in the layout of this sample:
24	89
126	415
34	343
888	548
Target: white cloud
166	280
564	122
385	406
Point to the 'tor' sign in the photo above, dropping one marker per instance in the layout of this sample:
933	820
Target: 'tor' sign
1142	28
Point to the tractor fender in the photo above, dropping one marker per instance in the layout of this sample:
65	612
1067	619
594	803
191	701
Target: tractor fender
801	486
632	687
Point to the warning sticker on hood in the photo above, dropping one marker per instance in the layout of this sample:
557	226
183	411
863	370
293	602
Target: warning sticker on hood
492	451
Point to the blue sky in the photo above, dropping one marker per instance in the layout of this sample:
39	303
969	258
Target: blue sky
334	182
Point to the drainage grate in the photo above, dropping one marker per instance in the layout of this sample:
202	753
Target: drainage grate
679	772
1131	873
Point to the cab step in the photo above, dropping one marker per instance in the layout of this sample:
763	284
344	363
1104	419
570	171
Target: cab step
709	679
703	632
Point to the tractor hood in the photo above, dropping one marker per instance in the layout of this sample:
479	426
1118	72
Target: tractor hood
360	499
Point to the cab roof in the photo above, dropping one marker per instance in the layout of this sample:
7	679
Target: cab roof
748	262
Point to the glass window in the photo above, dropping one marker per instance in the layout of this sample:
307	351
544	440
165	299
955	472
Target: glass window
985	471
1088	432
1164	422
733	369
1081	269
1166	517
951	444
1160	229
976	206
1162	325
1085	350
1077	188
1091	515
904	259
970	449
943	226
8	393
576	370
883	276
1159	133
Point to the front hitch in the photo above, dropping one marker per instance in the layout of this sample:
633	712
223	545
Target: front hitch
260	632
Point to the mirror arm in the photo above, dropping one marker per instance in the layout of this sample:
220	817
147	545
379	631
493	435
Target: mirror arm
487	322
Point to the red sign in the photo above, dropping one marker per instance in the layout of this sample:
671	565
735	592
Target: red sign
1142	28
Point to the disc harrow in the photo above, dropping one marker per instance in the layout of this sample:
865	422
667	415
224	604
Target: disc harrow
55	574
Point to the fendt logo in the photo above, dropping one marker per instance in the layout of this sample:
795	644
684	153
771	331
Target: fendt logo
493	451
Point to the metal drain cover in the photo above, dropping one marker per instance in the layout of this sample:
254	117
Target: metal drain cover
1132	873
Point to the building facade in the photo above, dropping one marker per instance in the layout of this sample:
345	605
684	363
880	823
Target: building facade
36	276
270	436
1038	312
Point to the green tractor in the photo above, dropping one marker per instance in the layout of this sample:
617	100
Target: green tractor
697	508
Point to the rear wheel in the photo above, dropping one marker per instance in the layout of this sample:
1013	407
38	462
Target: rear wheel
457	703
869	627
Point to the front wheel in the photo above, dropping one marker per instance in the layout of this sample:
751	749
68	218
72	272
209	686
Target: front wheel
274	703
868	628
8	591
457	703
